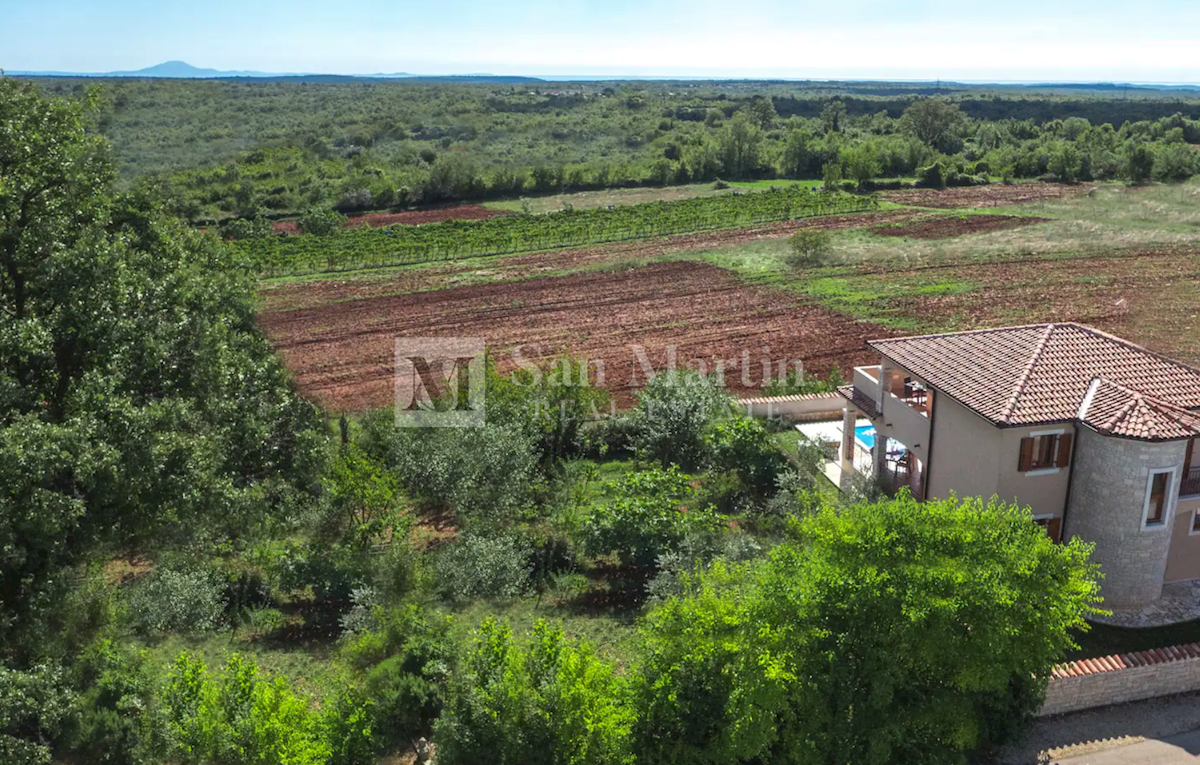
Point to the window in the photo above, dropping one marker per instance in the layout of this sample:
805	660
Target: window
1045	451
1196	522
1051	525
1157	497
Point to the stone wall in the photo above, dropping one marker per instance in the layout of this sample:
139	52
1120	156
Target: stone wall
1119	679
1108	494
811	406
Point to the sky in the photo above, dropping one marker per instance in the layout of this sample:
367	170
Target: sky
964	40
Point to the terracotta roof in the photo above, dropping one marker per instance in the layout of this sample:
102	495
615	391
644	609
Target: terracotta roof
1115	410
1041	373
1117	662
865	403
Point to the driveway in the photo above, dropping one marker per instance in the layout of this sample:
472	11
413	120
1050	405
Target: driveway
1162	731
1183	749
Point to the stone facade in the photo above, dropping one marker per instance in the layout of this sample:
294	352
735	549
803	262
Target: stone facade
1108	496
1119	679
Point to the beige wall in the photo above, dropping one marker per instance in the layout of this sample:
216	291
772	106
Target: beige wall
1183	561
973	457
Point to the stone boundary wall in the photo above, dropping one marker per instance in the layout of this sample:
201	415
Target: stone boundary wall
809	406
1090	683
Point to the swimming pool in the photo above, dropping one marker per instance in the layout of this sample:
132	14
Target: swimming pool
865	435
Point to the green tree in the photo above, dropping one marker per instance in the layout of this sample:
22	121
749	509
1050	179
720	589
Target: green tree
645	519
798	156
34	704
833	114
975	600
1139	162
740	147
762	112
810	248
673	414
932	120
319	221
139	404
862	162
552	702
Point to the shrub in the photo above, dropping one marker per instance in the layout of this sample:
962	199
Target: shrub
246	228
34	704
673	413
552	701
320	222
115	722
810	248
932	176
485	566
170	600
743	446
645	519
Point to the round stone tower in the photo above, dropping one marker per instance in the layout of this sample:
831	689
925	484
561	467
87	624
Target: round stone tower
1109	483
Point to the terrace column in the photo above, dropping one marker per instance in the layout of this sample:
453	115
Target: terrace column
848	421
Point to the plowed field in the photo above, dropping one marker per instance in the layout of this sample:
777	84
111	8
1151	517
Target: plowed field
993	195
341	352
947	227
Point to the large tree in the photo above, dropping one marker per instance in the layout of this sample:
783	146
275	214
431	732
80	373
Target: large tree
139	405
933	120
898	631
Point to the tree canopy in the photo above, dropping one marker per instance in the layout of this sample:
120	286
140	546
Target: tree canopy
138	401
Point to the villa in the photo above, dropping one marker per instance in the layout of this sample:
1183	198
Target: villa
1095	434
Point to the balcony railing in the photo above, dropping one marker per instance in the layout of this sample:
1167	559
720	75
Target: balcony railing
1191	483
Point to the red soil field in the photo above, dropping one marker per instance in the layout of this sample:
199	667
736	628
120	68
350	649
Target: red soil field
342	352
993	195
951	226
408	218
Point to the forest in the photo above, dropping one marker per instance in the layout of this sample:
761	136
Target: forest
220	150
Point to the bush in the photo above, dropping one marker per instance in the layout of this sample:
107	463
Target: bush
34	704
645	519
171	600
673	413
245	716
481	566
932	177
552	701
810	248
320	222
246	228
115	722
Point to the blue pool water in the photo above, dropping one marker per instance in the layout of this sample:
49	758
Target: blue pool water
865	435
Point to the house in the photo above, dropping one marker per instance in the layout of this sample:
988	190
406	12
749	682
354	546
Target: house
1095	434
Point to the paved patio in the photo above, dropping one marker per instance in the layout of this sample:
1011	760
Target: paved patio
1180	602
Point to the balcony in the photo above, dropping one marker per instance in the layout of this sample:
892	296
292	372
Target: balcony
866	381
1190	485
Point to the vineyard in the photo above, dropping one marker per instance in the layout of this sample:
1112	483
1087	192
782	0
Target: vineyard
365	248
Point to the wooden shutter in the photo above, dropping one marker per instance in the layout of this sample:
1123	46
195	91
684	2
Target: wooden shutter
1064	450
1025	463
1054	529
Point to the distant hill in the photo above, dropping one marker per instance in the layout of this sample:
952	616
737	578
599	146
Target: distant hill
181	70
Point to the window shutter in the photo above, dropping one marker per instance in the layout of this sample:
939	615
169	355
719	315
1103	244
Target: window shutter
1054	529
1064	450
1025	463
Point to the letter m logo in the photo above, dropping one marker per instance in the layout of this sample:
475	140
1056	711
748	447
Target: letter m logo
440	382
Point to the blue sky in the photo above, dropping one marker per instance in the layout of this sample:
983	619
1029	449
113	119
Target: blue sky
1001	40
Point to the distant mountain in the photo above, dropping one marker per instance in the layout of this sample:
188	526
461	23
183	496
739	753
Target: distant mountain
184	70
181	70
